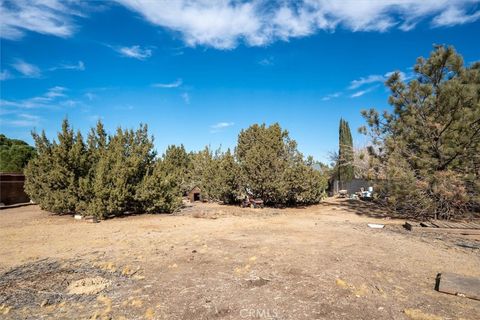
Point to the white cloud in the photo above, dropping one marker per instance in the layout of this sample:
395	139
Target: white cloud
403	75
22	120
80	66
26	69
453	16
363	92
331	96
214	23
55	92
367	80
266	62
52	17
135	52
358	94
186	97
222	24
32	71
374	78
177	83
220	126
52	97
69	103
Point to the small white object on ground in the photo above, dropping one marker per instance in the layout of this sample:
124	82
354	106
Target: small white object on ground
77	217
376	225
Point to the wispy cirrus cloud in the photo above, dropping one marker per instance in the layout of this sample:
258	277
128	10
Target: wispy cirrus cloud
363	92
14	119
266	62
355	84
455	16
52	17
225	24
372	80
220	126
331	96
54	96
25	120
80	66
177	83
26	69
136	52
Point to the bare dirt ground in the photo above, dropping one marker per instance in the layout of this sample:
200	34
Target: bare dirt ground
220	262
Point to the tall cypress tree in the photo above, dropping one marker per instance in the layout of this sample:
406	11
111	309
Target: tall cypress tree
345	152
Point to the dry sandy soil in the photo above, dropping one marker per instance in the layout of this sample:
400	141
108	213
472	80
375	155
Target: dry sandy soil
220	262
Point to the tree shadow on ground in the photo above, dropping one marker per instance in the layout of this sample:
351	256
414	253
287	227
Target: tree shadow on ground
362	208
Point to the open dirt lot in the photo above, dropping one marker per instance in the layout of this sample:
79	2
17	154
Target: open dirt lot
219	262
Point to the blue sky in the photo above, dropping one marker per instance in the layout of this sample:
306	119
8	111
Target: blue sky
197	72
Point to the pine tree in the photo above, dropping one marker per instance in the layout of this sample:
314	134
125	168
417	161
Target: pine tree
427	151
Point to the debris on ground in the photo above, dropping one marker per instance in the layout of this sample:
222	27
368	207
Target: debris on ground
458	285
255	281
468	245
376	225
48	282
469	228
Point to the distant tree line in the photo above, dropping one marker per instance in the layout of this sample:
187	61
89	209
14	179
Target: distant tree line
425	154
265	164
105	175
14	154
